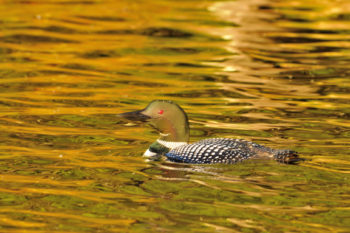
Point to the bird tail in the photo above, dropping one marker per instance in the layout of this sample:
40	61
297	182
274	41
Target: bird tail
287	156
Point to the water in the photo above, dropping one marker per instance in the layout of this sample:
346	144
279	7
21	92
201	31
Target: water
274	72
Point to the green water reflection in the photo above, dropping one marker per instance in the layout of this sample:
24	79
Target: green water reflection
274	72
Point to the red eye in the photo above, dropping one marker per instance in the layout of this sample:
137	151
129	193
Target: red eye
160	112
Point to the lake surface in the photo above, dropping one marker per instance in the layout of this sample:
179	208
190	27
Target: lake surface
274	72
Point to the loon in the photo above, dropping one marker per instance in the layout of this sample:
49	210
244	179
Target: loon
172	123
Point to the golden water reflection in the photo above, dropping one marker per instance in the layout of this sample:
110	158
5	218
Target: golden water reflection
275	72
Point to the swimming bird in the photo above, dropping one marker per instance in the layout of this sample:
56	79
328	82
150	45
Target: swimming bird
172	123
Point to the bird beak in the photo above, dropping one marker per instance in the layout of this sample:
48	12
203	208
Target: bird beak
135	116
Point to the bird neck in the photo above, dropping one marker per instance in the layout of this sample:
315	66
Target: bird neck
161	147
176	130
169	144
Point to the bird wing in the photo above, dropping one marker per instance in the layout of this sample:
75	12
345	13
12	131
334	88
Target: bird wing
209	152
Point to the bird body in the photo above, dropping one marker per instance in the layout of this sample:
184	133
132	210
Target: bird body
172	123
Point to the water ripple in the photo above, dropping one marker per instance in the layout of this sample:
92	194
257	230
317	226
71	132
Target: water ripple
275	72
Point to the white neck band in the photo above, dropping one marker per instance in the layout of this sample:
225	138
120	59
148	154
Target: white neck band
171	145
